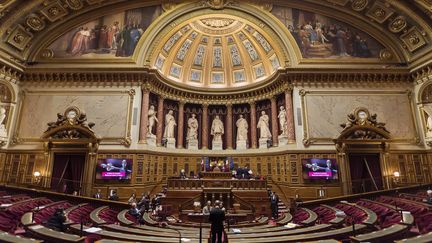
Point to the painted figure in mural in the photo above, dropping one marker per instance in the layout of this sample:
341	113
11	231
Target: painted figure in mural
80	41
192	133
152	119
263	125
217	129
242	129
170	123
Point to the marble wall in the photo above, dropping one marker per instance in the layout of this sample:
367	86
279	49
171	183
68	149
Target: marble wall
108	110
325	111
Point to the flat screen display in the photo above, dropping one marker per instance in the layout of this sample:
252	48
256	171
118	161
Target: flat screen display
114	169
320	169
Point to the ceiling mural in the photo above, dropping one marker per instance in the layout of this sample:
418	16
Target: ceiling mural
110	36
321	37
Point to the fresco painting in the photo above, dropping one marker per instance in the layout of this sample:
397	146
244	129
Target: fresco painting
318	36
110	36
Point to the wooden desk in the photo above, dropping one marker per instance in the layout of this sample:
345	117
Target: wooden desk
384	235
6	237
94	215
54	236
216	175
418	239
121	217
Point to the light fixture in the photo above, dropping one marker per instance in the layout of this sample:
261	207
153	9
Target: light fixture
36	174
396	174
37	177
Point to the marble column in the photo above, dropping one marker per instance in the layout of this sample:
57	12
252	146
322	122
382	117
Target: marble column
180	125
274	122
160	124
229	125
253	125
205	132
144	115
290	116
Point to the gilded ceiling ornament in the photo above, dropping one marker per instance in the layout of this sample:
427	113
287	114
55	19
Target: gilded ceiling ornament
19	38
398	24
168	6
217	4
54	11
413	39
47	53
359	5
385	55
379	12
74	4
35	22
217	22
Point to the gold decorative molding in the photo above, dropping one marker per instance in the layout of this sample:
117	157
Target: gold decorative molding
308	140
126	140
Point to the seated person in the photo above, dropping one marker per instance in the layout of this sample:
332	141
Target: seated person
182	174
206	209
134	211
98	194
113	196
428	197
56	222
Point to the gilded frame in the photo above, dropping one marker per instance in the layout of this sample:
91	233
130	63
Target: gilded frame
308	140
125	140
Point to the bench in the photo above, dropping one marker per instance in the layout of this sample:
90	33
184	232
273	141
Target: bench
371	218
305	230
285	219
418	239
53	236
311	219
128	237
6	237
94	215
137	231
383	235
330	234
336	220
148	220
121	217
409	219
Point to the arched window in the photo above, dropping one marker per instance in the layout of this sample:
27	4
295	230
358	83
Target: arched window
426	95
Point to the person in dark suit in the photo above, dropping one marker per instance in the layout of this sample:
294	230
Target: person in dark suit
57	221
114	196
274	199
134	211
98	194
216	218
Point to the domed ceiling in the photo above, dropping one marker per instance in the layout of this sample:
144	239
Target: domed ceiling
217	51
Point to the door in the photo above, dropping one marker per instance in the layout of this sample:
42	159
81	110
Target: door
365	172
67	172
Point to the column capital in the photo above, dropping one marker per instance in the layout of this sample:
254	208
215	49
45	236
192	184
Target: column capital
229	105
162	97
181	102
273	98
205	105
252	103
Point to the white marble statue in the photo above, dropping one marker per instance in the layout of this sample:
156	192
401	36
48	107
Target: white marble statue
428	110
263	126
170	123
217	129
283	122
3	132
152	119
192	133
242	129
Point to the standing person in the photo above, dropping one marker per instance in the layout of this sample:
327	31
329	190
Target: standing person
216	218
274	199
113	196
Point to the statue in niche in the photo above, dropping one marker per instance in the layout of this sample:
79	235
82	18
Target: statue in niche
428	111
263	126
192	133
217	129
170	123
283	121
3	132
152	119
242	129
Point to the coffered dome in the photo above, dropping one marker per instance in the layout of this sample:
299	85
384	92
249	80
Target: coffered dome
217	51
